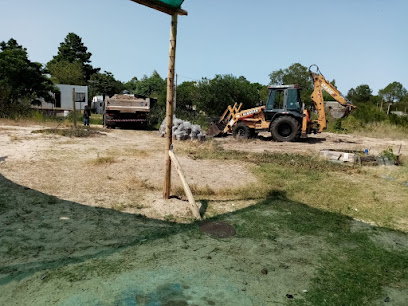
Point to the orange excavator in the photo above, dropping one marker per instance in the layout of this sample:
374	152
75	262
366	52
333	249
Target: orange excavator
284	115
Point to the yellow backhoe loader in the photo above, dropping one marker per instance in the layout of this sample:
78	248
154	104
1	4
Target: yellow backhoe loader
284	115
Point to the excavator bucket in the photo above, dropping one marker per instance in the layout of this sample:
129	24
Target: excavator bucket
337	110
215	129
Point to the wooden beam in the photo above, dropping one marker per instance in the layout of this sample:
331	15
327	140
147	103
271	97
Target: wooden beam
74	107
162	7
193	206
169	107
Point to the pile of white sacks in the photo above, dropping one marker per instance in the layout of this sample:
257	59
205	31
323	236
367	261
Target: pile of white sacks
183	130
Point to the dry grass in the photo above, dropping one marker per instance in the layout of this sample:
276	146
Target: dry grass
136	183
383	130
103	160
129	152
362	193
248	192
13	137
71	132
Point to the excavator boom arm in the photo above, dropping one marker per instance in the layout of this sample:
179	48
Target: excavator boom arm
317	96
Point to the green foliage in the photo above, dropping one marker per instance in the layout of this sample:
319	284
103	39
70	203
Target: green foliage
153	86
72	50
294	74
198	100
21	81
64	72
393	92
216	94
105	83
362	93
389	154
368	113
398	120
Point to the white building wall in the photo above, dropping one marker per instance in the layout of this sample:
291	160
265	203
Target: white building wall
81	93
66	96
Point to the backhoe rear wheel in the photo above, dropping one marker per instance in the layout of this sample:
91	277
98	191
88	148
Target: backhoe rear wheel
285	128
241	131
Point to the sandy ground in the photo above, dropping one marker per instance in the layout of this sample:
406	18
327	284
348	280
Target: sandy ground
120	169
124	169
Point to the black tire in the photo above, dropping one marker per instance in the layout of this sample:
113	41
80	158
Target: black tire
253	134
285	128
106	119
241	131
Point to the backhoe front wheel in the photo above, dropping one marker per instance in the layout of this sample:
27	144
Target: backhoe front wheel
285	128
241	131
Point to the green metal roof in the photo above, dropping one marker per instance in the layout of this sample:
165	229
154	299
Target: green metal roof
167	6
172	3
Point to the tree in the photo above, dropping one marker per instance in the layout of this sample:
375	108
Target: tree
394	92
72	50
152	86
362	93
106	84
64	72
215	95
20	79
294	74
187	94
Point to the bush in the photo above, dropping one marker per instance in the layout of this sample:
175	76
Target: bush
367	113
398	120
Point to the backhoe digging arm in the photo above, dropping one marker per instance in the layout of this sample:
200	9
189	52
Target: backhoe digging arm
317	96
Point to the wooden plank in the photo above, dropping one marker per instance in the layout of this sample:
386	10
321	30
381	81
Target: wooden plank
193	206
74	107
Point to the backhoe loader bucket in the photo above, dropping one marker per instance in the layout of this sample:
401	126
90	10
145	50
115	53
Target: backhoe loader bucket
337	110
215	129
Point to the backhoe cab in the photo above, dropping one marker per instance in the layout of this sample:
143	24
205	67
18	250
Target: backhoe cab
284	115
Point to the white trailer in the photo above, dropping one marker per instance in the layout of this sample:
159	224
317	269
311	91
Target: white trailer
63	99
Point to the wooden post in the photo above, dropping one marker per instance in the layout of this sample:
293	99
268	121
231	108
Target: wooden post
169	106
193	206
175	96
74	107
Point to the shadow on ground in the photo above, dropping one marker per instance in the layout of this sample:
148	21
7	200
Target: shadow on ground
309	139
59	252
40	232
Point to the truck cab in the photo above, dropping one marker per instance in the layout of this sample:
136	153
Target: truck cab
283	99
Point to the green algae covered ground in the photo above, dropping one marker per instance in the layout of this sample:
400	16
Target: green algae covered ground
54	252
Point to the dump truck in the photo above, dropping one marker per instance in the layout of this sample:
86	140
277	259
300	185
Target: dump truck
126	110
284	114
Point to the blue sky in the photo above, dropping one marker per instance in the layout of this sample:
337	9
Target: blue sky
352	41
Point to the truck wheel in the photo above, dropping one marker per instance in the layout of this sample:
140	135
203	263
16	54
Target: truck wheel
285	128
106	119
241	131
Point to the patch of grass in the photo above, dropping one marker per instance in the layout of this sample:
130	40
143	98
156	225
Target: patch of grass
13	137
119	207
138	183
96	119
71	132
321	184
92	268
383	130
358	275
212	150
103	160
352	270
248	192
131	152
